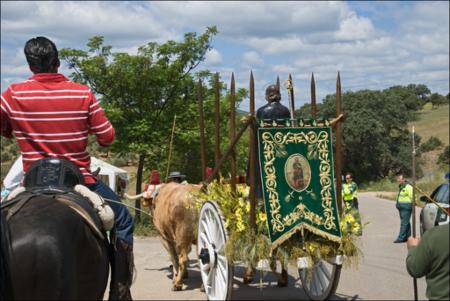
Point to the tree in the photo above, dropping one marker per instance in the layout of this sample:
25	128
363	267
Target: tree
186	147
142	92
376	141
437	100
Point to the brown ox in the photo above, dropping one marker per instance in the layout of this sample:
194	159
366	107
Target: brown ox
175	218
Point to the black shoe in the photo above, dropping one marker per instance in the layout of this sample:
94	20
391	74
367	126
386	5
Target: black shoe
399	241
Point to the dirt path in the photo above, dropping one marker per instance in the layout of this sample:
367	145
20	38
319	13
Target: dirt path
381	274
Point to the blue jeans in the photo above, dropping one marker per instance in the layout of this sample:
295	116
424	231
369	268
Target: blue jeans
123	221
405	210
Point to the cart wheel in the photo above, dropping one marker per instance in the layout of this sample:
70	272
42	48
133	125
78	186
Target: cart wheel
217	273
321	280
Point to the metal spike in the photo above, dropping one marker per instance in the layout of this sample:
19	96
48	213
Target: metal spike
313	97
278	84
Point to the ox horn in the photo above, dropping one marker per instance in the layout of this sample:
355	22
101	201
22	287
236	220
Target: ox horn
134	197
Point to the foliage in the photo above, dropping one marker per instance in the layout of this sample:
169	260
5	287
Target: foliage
376	140
142	92
9	149
444	157
437	100
431	144
248	246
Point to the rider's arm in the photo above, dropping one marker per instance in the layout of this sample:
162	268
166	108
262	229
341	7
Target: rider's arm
418	261
5	125
99	123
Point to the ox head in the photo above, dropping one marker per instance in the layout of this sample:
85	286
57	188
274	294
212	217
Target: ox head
147	196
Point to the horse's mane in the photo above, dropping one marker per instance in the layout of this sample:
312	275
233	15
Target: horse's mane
5	247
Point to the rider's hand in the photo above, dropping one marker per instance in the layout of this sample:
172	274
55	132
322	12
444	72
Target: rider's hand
412	241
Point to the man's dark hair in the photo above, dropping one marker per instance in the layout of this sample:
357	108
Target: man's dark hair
42	55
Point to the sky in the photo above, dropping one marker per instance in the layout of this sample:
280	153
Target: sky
374	45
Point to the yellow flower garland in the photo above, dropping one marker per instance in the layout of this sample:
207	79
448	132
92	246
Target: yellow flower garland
246	246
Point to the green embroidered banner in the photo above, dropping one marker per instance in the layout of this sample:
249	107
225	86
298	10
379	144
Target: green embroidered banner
298	182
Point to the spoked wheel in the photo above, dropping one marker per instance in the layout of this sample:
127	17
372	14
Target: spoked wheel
217	273
321	280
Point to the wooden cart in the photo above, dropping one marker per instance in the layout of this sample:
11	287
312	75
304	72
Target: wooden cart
216	271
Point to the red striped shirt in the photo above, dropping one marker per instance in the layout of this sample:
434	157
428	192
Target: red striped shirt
52	116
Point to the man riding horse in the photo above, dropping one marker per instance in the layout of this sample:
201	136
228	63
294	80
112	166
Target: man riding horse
52	116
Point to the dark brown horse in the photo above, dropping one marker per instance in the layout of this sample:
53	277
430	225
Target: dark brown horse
49	252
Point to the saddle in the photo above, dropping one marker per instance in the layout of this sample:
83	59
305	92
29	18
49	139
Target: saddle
61	180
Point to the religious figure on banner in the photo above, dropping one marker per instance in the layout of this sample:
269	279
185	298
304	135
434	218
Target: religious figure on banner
297	172
297	178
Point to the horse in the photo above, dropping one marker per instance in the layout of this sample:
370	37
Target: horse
49	251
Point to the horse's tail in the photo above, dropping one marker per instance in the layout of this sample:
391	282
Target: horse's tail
5	255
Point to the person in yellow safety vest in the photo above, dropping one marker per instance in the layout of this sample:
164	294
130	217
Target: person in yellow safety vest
404	206
349	194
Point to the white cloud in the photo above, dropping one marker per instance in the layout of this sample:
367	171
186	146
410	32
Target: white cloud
355	28
67	22
213	57
252	58
268	37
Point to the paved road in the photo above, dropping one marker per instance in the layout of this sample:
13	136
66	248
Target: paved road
381	273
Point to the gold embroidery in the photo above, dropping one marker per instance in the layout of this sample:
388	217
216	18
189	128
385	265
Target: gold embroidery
317	144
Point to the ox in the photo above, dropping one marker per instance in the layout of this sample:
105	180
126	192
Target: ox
175	218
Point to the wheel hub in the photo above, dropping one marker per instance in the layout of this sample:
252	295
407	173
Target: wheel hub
204	256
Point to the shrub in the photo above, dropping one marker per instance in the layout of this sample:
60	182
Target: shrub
444	157
431	144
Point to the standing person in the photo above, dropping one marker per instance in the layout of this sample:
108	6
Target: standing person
349	195
404	206
52	116
429	257
175	176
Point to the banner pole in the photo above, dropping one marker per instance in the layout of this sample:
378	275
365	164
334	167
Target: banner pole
414	201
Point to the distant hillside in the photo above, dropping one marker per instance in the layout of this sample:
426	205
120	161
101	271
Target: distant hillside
240	112
433	122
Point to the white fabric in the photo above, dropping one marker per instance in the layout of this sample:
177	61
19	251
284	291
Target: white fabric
18	190
14	176
152	191
104	211
111	171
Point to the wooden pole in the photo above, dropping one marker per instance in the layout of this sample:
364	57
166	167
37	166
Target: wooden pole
338	149
217	119
229	150
170	145
253	155
313	97
414	201
202	128
233	132
292	101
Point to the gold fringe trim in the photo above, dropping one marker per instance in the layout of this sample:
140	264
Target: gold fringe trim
294	230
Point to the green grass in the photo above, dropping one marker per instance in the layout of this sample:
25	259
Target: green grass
433	122
385	184
430	122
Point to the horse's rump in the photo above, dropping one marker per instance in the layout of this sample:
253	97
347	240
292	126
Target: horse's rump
53	253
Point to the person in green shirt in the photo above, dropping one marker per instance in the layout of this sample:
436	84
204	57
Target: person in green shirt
429	257
404	206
